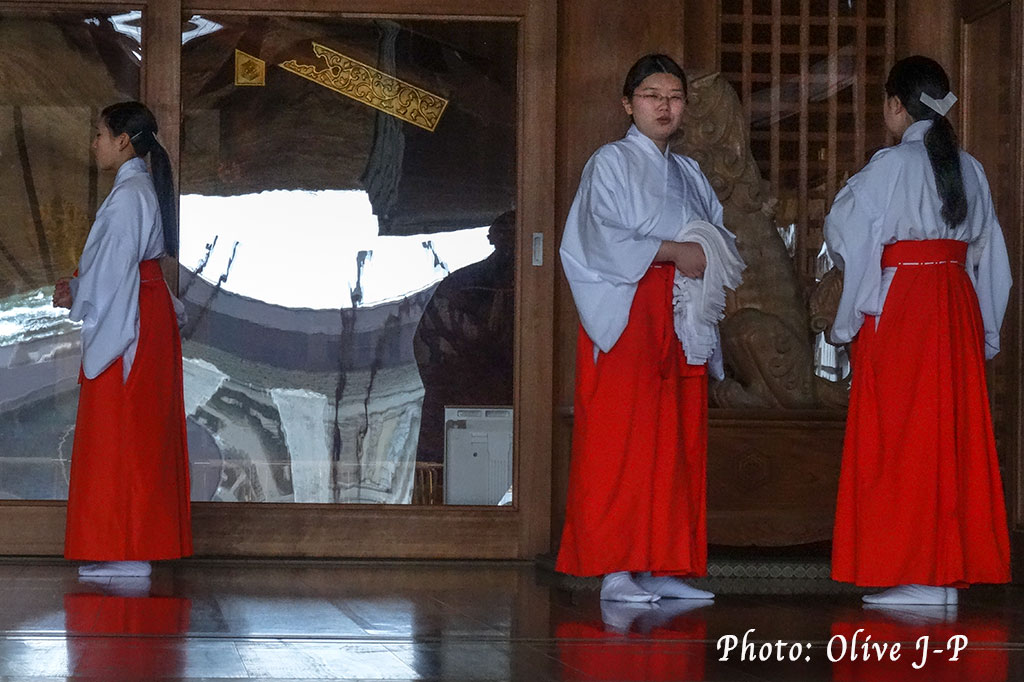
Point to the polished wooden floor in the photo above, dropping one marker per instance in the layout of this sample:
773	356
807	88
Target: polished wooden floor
202	620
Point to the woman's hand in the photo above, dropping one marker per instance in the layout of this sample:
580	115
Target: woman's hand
690	261
62	293
688	257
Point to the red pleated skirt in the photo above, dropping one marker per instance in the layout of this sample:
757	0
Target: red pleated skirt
128	498
637	482
920	495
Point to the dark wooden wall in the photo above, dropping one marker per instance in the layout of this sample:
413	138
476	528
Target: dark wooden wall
992	129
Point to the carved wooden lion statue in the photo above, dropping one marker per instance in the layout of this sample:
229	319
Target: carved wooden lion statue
767	333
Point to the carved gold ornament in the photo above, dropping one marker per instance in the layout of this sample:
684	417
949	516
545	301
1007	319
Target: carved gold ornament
372	87
249	70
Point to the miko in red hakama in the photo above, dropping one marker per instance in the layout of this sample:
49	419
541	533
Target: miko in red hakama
637	483
129	491
920	495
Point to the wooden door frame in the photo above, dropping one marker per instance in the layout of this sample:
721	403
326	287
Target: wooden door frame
1013	326
400	531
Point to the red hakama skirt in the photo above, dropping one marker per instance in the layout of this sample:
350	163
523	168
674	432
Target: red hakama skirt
920	495
128	498
637	481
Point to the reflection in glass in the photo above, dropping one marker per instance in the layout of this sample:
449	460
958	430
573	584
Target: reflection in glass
320	219
831	362
57	70
463	348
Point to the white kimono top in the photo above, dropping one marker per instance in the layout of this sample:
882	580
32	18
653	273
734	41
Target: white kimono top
631	198
105	294
894	198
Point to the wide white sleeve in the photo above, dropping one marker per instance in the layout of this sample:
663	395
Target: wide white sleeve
612	234
105	294
853	239
990	271
608	236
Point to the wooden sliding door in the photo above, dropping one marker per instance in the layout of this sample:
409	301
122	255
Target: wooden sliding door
367	259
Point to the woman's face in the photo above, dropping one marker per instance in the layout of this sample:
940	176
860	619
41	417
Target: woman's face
657	107
108	149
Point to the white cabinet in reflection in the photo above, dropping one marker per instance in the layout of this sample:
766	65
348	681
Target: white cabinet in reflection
477	454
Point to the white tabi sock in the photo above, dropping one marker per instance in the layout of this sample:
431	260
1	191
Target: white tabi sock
671	588
619	586
666	613
914	594
119	586
618	616
916	614
110	569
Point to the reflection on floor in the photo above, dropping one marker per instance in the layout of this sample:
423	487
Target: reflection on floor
470	621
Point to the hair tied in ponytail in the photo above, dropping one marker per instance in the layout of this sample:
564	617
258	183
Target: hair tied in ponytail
939	106
909	79
126	117
141	134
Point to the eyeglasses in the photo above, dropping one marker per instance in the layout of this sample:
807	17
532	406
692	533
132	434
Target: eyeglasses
652	98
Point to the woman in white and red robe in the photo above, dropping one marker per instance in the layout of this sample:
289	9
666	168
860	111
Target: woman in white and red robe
128	500
636	499
926	281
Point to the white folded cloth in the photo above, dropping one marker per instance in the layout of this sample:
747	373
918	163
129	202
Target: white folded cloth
699	304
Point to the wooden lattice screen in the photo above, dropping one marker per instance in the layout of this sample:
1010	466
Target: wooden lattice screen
810	76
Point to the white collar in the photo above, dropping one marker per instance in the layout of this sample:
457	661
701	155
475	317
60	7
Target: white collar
132	166
916	131
639	138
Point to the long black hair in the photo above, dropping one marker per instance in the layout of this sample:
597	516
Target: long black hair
135	119
648	64
908	78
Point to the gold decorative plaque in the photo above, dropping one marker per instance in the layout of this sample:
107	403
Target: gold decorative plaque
372	87
249	70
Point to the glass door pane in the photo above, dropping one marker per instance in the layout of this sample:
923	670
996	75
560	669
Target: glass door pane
347	258
57	71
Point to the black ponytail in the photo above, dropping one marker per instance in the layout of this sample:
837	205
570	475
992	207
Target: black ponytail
908	78
135	119
944	153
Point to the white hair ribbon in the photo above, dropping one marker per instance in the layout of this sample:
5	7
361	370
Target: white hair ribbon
940	106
